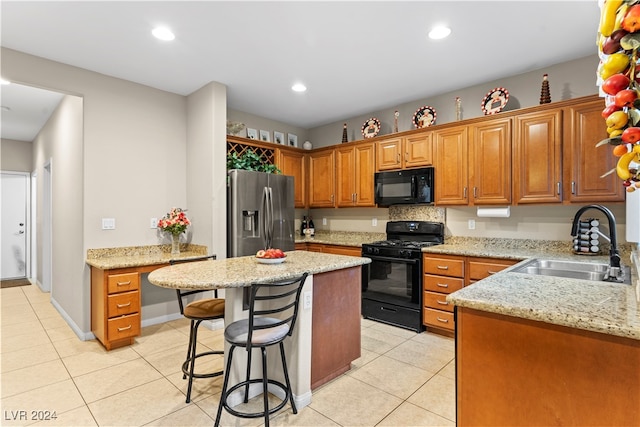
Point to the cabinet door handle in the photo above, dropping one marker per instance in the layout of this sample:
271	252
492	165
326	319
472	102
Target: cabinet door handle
332	198
573	187
398	158
464	193
442	285
124	283
443	267
475	192
442	302
406	157
355	197
558	187
491	272
124	329
440	319
124	305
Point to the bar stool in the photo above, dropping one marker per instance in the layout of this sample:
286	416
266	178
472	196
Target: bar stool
267	325
197	311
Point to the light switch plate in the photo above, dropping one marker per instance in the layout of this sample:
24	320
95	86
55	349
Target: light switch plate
374	222
153	223
108	223
472	224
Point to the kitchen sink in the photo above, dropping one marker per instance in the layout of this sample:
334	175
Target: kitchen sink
570	269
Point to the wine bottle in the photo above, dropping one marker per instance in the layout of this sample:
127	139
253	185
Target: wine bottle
311	227
303	227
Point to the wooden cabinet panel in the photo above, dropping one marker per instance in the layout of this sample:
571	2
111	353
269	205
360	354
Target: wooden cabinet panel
123	303
293	163
480	269
443	266
442	284
123	282
345	182
584	162
355	175
537	157
389	154
437	300
342	250
322	179
315	247
438	318
490	162
451	172
124	327
418	150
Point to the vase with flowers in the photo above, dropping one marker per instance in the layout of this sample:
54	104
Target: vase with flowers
176	223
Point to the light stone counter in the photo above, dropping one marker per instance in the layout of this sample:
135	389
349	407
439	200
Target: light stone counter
140	256
242	271
343	238
612	309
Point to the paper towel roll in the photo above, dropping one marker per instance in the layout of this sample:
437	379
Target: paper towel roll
494	212
633	216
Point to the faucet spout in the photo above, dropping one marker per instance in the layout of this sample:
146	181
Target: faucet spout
614	255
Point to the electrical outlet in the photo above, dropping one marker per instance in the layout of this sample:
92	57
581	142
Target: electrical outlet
324	221
374	222
306	300
472	224
108	223
153	223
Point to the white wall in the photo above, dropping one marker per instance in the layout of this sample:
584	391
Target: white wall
16	155
260	123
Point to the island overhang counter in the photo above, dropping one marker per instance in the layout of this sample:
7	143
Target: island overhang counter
326	337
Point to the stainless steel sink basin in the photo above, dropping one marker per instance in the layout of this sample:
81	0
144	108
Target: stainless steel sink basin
569	269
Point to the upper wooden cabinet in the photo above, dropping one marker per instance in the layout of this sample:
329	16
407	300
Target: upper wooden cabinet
322	178
406	152
355	168
451	172
537	157
293	163
584	163
490	162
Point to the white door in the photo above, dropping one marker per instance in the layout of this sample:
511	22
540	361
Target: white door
14	189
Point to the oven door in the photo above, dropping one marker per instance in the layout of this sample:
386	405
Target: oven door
391	291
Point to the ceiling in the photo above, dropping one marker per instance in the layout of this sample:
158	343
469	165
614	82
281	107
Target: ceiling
354	57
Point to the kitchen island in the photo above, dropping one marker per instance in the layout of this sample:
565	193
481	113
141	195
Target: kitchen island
543	350
326	337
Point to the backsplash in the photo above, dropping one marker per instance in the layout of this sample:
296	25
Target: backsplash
416	213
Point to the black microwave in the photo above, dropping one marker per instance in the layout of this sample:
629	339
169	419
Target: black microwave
404	187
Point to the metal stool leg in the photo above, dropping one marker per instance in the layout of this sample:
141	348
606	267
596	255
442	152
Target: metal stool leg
265	392
246	389
225	384
286	379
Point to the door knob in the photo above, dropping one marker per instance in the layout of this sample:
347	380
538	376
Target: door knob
21	224
21	232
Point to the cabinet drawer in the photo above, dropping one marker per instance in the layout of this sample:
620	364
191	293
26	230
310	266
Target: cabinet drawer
123	303
123	327
481	270
123	282
437	301
442	284
437	318
444	266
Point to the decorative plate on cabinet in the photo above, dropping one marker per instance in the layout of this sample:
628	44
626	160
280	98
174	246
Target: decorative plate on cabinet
495	101
424	116
371	128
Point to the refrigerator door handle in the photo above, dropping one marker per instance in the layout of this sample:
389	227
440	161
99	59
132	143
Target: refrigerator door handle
271	216
265	217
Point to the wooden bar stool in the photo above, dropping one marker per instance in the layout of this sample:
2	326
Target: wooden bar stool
198	311
267	325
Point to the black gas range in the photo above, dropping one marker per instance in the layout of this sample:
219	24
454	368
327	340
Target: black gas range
392	283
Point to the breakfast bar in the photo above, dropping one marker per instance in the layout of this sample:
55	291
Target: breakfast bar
326	337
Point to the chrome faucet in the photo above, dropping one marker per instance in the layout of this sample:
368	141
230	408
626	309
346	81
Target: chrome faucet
615	271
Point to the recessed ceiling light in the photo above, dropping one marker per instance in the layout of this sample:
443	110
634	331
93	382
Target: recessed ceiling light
163	33
439	32
298	87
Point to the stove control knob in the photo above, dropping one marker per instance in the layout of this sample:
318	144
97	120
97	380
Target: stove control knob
376	250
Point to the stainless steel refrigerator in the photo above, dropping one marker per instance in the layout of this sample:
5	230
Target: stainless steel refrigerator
260	212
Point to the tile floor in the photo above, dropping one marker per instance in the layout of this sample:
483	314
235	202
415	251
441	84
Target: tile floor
402	378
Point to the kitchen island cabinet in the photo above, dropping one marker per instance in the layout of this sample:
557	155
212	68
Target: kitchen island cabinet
326	338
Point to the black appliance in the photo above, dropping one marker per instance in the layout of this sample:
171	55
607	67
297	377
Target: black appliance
410	186
392	283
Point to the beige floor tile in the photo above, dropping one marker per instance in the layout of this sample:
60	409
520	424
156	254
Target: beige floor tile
116	379
19	313
71	346
14	329
366	323
168	362
192	415
161	340
438	395
393	330
366	356
80	417
306	417
392	376
412	415
449	371
61	333
96	359
139	405
33	377
54	322
44	309
348	401
210	406
379	341
431	358
201	387
23	341
12	296
42	403
435	340
28	357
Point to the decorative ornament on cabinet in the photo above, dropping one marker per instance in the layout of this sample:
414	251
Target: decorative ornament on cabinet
307	145
545	94
234	128
344	133
458	104
395	121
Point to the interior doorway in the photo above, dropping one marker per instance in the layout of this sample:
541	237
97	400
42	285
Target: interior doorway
14	225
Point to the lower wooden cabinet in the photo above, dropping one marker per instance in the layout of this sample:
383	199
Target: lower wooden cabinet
330	249
444	274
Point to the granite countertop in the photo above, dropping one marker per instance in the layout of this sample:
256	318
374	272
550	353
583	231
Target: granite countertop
140	256
242	271
603	307
343	238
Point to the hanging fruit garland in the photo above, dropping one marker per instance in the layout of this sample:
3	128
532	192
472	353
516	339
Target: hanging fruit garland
618	45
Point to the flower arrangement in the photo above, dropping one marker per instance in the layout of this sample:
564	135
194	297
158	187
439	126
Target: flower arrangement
175	222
